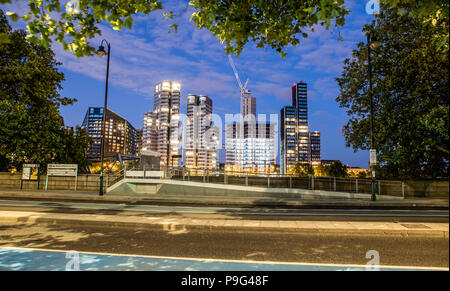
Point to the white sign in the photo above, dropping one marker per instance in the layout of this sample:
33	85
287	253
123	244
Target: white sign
63	170
373	157
26	173
30	172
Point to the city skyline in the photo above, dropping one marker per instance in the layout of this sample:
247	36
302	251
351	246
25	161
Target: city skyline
202	163
147	54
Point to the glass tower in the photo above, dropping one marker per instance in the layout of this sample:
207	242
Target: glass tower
161	131
120	136
297	144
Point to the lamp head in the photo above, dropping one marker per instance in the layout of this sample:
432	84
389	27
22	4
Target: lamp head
101	51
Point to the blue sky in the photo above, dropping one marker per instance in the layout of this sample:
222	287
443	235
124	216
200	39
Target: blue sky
148	54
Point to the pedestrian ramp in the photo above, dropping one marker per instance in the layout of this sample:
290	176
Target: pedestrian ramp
154	183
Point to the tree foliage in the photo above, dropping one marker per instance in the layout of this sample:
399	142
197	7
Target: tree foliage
74	23
303	170
30	123
410	75
335	169
273	24
73	147
434	12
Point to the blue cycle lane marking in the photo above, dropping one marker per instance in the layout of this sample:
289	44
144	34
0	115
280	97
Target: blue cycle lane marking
19	259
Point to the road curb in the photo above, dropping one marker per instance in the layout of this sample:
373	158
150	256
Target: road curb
180	228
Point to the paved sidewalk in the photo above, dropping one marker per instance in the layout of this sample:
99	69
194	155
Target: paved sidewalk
223	200
184	224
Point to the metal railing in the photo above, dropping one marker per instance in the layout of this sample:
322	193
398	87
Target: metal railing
113	178
276	180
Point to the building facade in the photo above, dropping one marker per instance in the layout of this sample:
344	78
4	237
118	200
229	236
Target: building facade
315	156
120	136
297	143
250	143
248	107
202	138
250	147
139	133
161	130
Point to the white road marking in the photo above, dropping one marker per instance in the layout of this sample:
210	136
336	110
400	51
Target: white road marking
233	261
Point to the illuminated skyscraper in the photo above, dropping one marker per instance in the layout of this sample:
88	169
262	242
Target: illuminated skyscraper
314	148
120	136
297	144
161	131
202	138
250	147
250	144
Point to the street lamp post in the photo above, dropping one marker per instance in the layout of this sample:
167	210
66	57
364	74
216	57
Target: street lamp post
101	52
372	44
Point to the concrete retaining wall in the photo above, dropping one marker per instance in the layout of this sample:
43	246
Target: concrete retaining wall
427	189
163	187
408	189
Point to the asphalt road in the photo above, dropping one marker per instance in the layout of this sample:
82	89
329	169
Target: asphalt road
232	245
243	212
216	243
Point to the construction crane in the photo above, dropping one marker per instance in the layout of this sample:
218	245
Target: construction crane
244	91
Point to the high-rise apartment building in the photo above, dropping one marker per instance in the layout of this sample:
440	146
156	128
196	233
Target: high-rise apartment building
120	136
202	138
250	144
288	138
315	157
250	147
161	131
297	144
